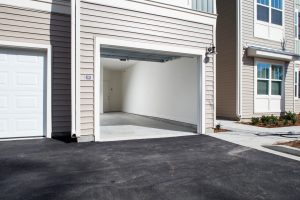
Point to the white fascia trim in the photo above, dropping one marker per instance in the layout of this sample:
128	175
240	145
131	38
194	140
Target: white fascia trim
48	49
199	52
160	9
63	8
268	55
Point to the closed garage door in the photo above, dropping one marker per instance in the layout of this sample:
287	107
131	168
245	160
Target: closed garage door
21	93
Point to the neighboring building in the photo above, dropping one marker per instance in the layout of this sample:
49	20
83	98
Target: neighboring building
297	51
255	61
58	60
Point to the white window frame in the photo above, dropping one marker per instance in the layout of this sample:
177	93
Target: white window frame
296	83
48	96
270	13
269	96
269	24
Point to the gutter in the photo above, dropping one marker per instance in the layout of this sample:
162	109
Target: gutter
238	60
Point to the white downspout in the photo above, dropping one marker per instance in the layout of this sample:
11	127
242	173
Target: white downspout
73	66
238	59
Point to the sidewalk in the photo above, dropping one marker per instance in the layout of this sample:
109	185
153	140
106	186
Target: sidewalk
256	137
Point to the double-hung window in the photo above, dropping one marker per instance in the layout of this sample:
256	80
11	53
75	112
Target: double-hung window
297	84
269	79
270	11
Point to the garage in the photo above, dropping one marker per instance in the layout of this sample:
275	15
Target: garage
22	93
148	93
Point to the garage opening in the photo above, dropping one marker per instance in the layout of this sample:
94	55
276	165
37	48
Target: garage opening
147	94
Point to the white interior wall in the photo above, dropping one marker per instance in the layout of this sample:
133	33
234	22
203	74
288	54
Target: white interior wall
164	90
112	90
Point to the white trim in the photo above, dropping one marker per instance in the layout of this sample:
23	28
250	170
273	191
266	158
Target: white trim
99	42
73	67
160	9
77	68
58	7
264	54
239	75
48	50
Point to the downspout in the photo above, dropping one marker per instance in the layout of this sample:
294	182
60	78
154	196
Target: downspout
73	67
239	59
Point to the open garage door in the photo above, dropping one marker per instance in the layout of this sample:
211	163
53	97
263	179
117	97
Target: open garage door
148	94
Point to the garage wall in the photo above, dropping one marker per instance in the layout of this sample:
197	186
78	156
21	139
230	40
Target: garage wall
112	22
32	26
112	92
164	90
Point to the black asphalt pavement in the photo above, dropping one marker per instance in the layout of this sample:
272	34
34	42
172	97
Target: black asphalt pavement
184	168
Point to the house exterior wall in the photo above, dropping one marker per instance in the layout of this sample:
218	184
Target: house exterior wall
98	20
226	59
35	26
248	16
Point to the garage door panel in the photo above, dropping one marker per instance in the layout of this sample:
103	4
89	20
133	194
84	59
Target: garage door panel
28	80
3	80
22	93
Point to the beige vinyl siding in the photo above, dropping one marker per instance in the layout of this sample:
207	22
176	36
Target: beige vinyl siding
226	59
30	26
248	62
112	22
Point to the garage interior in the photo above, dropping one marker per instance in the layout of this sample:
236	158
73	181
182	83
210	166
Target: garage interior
147	94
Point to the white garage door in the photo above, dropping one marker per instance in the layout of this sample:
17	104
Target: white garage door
21	93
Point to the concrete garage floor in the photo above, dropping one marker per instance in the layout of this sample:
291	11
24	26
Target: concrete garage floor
189	168
117	126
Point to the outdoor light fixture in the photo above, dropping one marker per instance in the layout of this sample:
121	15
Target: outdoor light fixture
211	49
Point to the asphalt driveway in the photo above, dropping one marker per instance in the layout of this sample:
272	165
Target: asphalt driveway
185	168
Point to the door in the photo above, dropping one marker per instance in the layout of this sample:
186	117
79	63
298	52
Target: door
22	91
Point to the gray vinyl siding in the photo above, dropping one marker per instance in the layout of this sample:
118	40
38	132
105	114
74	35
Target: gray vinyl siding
112	22
226	59
248	62
30	26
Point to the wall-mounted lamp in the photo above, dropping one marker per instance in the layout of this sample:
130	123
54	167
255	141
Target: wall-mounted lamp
211	49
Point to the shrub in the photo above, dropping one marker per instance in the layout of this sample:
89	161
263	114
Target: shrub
218	126
273	120
265	119
292	117
255	120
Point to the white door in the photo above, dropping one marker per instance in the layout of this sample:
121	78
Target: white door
22	89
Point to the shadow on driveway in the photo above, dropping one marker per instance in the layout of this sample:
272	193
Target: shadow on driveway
184	168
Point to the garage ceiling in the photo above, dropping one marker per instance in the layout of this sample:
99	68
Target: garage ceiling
123	54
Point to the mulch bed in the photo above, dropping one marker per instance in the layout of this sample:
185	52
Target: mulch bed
295	144
220	130
280	124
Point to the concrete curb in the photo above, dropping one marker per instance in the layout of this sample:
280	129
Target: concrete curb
284	149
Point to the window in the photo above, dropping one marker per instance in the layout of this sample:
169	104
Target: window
297	84
203	5
270	11
297	24
269	79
